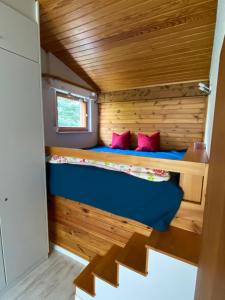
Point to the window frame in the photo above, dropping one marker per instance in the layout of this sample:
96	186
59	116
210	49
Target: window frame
84	104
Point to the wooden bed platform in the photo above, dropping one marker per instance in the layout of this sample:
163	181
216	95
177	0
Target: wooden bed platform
87	231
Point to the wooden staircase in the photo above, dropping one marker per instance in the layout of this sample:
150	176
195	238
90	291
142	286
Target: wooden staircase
175	242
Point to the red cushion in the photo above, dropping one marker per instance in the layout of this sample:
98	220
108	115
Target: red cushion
148	143
121	141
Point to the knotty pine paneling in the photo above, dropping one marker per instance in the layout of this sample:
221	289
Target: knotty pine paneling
87	231
177	111
120	44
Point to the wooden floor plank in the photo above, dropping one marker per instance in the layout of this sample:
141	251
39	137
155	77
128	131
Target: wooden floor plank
51	280
178	243
107	269
86	281
134	254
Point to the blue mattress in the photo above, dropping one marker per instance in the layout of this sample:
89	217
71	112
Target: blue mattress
172	154
151	203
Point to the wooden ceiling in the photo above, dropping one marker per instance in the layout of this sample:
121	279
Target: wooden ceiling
123	44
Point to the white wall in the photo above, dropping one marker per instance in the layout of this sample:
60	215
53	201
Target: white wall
53	66
26	7
218	41
168	279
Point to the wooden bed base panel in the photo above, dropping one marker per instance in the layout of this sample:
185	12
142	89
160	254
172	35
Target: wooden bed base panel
87	231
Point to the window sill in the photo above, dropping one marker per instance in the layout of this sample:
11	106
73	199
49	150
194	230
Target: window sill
73	131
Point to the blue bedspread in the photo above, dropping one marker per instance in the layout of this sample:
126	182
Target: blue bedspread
151	203
172	154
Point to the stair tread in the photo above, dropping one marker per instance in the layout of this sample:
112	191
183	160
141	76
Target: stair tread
178	243
107	268
86	281
134	254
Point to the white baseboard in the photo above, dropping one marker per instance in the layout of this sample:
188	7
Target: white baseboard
69	254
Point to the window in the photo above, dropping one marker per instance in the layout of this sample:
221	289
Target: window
71	113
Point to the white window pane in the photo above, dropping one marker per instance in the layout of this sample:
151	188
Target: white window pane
69	112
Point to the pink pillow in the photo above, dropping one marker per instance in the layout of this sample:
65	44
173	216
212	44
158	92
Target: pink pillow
148	143
121	141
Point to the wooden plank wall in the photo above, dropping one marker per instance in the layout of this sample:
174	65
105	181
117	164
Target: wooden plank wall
87	231
178	111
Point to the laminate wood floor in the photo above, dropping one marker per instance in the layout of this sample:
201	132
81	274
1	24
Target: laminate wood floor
52	280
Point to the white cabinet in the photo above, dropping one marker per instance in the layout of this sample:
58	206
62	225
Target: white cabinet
23	204
18	34
22	173
2	271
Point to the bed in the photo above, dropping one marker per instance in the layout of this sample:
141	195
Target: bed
151	203
82	221
170	154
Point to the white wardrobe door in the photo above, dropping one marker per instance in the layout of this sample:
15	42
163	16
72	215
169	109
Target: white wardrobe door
22	172
2	271
18	34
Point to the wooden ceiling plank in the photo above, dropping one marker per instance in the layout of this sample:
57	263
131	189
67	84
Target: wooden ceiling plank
113	28
98	16
183	77
91	15
148	80
151	62
163	55
170	42
204	42
155	78
157	67
207	30
148	47
140	65
73	11
109	25
192	21
60	8
157	74
134	36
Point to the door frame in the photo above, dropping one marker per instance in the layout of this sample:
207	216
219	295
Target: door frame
211	273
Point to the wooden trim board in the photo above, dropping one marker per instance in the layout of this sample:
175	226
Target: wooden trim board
211	274
192	172
177	166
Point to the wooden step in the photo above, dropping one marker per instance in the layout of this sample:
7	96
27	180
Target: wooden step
178	243
134	255
107	269
86	281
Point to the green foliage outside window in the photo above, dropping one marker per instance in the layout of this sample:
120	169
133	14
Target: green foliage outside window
69	112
